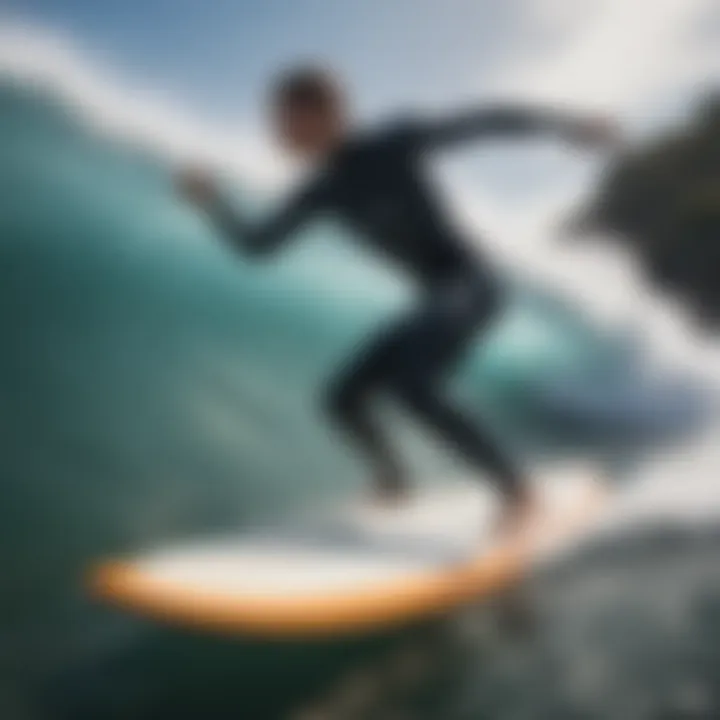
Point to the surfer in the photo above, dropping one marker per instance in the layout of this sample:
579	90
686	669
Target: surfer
375	181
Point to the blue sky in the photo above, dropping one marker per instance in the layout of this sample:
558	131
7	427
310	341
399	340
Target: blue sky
220	53
214	57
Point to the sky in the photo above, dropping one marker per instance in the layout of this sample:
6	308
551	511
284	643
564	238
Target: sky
219	53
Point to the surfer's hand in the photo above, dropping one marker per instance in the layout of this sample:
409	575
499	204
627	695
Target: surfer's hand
595	132
197	185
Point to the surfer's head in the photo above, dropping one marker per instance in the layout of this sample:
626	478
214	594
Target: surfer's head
308	111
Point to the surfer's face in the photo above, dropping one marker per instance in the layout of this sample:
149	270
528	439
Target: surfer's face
307	130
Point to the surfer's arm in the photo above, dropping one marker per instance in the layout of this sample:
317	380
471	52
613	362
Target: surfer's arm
510	121
264	237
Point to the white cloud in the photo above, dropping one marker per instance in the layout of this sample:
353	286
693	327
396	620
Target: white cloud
617	54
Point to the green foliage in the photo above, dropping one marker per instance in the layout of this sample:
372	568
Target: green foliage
663	202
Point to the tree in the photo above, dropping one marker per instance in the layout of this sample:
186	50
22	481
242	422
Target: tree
662	203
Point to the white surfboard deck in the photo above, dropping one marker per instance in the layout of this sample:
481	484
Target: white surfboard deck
360	568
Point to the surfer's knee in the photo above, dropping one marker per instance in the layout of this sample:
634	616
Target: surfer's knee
344	402
411	385
491	302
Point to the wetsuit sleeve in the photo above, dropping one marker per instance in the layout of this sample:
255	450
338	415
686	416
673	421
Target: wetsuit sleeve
262	238
477	124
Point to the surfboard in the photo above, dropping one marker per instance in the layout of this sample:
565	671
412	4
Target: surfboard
360	568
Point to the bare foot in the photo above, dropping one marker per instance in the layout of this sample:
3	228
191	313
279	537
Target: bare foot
518	516
389	495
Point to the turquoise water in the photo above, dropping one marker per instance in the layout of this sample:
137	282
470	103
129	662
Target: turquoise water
152	386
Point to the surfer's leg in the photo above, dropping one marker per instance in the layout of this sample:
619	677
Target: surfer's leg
349	405
464	434
426	349
473	441
408	362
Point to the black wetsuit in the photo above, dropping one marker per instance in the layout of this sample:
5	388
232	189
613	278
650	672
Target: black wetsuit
377	184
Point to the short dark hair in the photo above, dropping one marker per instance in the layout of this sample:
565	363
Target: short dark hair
308	86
